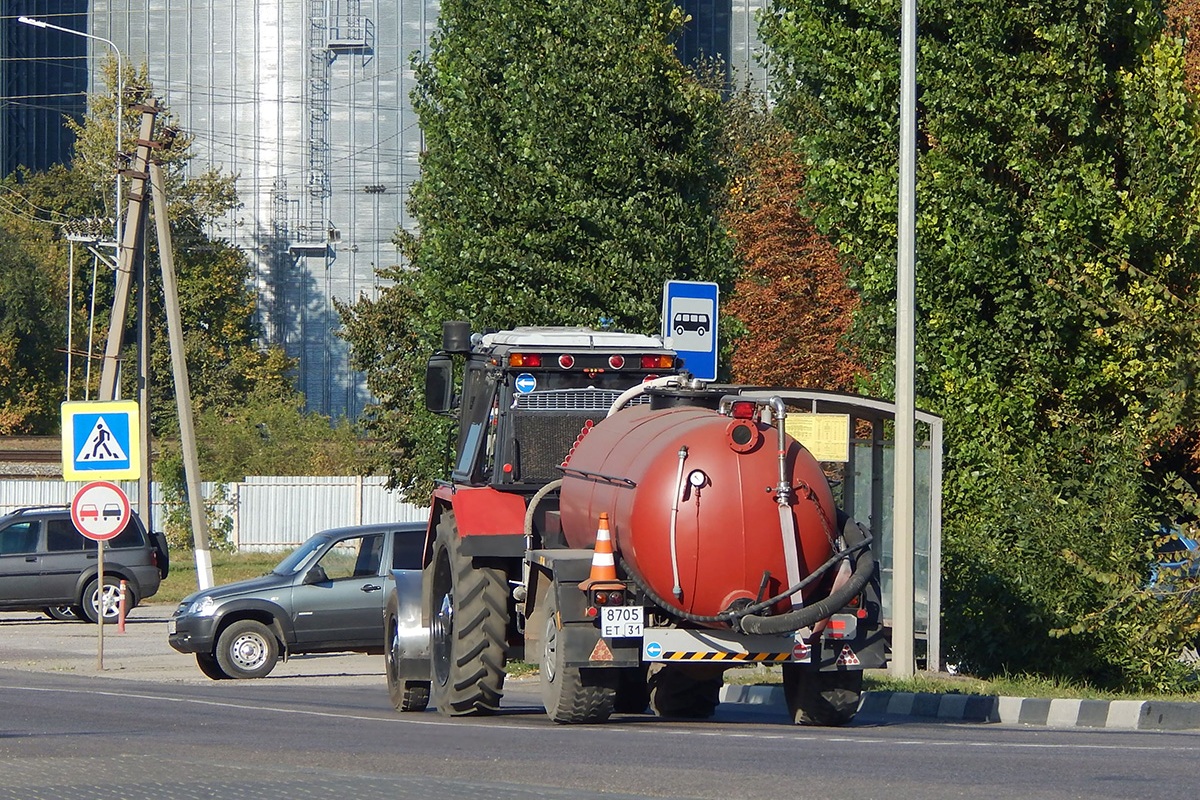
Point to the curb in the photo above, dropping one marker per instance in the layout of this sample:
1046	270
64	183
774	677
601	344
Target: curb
1129	715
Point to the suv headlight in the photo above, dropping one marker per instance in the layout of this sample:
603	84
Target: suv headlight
203	607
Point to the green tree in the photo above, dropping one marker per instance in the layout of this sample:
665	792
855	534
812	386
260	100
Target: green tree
34	208
1057	251
268	435
31	329
570	168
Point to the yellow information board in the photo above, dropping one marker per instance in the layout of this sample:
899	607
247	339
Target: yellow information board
827	436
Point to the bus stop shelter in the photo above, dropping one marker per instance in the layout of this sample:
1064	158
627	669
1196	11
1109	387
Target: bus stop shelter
863	486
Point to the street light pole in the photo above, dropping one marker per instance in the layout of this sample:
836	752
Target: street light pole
37	23
903	484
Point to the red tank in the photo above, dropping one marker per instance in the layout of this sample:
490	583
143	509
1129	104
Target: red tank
727	524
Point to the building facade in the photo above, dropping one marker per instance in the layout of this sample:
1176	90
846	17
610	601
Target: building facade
44	78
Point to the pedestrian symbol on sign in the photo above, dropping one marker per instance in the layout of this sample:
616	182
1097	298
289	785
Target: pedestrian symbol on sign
101	445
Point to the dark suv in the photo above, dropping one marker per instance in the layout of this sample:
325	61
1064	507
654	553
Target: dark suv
326	596
46	564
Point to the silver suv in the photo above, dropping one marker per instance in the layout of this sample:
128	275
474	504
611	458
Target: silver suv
47	565
327	596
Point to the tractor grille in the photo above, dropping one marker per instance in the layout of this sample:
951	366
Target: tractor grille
571	400
546	425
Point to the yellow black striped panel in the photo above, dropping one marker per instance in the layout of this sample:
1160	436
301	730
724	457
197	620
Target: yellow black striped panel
680	655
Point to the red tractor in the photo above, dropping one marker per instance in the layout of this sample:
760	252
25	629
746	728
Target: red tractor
719	541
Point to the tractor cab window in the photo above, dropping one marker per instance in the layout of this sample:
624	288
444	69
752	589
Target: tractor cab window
479	412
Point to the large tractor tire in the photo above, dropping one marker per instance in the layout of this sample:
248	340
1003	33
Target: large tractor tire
572	694
691	691
821	698
469	609
406	694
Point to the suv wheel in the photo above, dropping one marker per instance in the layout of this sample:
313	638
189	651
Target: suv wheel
111	601
61	613
209	666
247	649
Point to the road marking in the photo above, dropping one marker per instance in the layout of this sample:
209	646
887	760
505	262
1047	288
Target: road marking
661	728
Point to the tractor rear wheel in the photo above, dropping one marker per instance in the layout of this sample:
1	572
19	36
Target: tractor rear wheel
633	695
821	698
469	607
692	691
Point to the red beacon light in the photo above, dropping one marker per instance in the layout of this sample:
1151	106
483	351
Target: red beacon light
566	361
524	359
742	409
616	361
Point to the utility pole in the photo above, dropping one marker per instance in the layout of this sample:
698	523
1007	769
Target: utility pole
127	251
132	246
183	392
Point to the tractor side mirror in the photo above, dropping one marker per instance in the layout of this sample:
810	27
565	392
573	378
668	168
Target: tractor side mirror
439	383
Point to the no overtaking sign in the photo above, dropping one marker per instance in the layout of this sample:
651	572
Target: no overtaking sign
100	510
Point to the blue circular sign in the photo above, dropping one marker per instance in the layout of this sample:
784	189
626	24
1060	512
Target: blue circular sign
653	649
525	383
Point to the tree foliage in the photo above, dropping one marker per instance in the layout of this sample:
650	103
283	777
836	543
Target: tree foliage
225	359
1057	255
570	168
30	333
791	295
267	435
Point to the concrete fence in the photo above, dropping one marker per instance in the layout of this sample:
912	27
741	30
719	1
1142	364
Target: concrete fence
266	513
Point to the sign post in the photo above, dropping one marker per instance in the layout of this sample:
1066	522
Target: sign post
689	325
100	511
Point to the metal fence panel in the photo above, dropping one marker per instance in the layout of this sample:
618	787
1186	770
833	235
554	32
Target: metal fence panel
267	513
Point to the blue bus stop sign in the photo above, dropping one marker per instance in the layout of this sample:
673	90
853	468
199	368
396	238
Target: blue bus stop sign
690	325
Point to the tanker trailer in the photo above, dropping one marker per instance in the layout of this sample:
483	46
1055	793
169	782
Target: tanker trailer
681	532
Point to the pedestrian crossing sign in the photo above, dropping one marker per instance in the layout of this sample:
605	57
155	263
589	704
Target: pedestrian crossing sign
101	440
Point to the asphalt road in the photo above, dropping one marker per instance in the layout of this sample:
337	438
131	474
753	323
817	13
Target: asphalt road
150	726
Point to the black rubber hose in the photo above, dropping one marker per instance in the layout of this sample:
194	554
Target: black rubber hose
808	615
731	616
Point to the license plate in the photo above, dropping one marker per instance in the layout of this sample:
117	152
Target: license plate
171	627
619	621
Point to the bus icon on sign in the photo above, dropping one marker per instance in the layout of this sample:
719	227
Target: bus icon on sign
683	322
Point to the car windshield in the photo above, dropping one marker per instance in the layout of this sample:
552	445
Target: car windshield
299	558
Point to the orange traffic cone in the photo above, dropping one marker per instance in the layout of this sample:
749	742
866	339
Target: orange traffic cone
604	563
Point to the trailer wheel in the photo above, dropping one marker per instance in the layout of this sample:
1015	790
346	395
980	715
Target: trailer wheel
821	698
406	695
469	605
692	691
572	694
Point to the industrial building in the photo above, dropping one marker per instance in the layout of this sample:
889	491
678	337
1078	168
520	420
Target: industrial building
307	102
